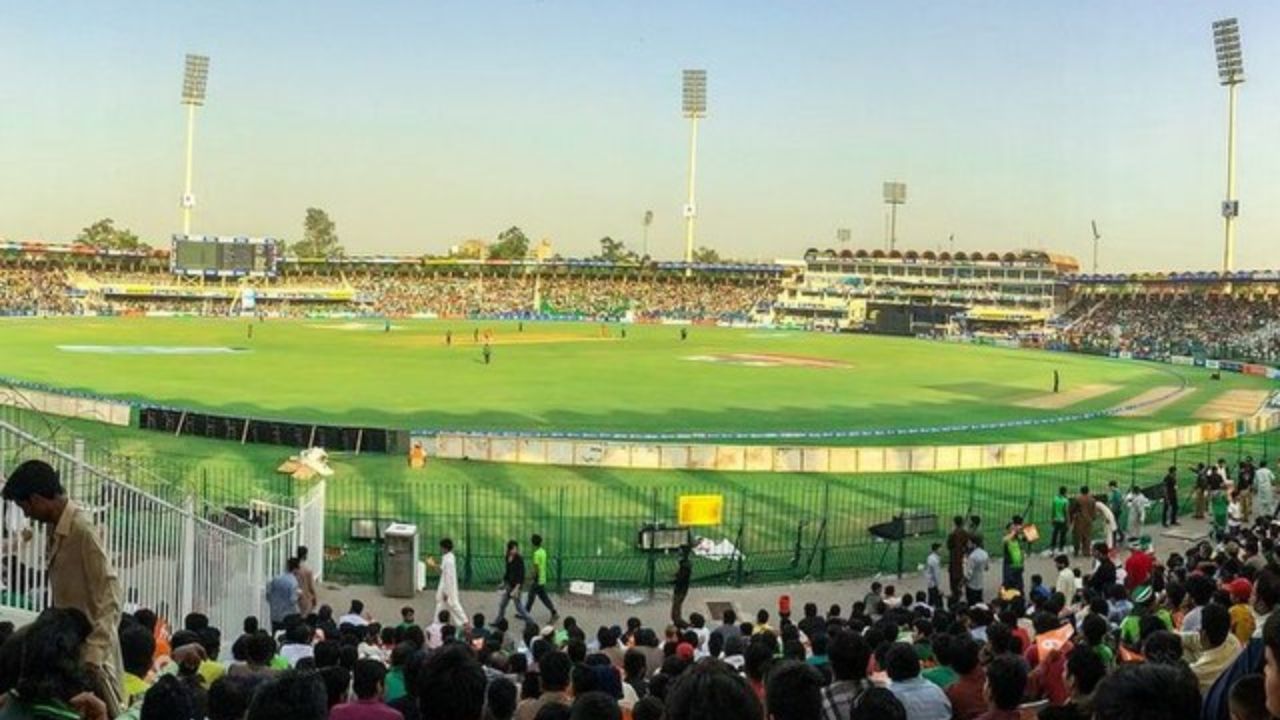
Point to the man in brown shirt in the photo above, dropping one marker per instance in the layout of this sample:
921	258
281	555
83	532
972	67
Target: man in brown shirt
1083	510
307	603
80	573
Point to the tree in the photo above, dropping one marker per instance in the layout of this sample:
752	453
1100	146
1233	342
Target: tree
705	254
104	235
511	245
615	251
319	237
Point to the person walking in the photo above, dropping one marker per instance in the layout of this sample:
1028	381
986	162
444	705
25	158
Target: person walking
307	602
488	354
1136	504
975	571
538	587
1058	515
447	591
1083	511
680	588
512	581
80	573
1169	515
283	594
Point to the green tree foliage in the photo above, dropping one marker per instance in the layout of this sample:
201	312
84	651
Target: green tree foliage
319	237
704	254
615	251
104	235
511	245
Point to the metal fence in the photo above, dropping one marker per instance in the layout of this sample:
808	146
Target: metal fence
174	552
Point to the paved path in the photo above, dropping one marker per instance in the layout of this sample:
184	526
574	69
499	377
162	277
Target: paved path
615	606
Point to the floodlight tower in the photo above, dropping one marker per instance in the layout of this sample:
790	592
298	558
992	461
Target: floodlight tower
895	194
1226	44
194	80
695	107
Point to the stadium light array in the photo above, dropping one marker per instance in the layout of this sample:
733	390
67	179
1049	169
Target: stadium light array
895	194
195	79
1226	45
694	105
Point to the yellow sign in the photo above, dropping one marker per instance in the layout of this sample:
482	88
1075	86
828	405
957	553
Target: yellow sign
700	509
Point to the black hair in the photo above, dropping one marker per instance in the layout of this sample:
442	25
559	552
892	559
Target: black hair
794	691
849	655
137	647
553	711
535	540
759	656
1147	691
877	703
902	662
260	648
648	708
168	699
1006	680
964	652
1086	667
50	650
228	698
1094	627
336	681
369	675
446	544
291	695
31	478
553	670
451	685
1215	623
1163	647
1248	698
500	698
594	705
729	616
712	690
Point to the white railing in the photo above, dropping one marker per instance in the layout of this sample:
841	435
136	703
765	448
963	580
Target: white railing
174	557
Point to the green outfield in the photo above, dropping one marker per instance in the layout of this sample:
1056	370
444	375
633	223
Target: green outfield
586	377
559	376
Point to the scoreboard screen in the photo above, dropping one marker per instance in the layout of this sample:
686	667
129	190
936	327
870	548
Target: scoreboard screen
224	256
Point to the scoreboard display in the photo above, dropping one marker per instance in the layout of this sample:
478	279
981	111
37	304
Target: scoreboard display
215	256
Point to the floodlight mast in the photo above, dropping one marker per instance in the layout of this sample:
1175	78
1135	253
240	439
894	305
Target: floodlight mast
195	78
1226	43
895	194
694	106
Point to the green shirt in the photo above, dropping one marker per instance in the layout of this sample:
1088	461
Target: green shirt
1129	627
540	565
393	685
1218	504
942	676
1107	655
1060	503
1013	551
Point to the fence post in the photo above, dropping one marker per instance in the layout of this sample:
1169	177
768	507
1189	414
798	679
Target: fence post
653	556
902	515
826	529
466	535
560	543
186	557
742	526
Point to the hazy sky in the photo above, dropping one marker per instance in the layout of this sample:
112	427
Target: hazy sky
418	125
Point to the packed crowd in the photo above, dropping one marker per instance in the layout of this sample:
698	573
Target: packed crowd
1126	635
33	292
49	292
1229	327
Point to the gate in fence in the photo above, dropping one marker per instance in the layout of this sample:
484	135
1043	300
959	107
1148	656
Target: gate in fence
173	552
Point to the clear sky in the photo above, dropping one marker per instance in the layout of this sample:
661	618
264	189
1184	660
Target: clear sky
417	125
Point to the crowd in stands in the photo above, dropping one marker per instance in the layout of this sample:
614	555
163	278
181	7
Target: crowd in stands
48	292
1227	327
31	292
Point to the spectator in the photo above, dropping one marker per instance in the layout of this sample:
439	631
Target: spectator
794	692
293	695
594	705
1006	682
849	657
553	676
81	576
1214	648
369	687
712	690
922	699
1085	669
878	704
283	593
451	685
967	694
1146	692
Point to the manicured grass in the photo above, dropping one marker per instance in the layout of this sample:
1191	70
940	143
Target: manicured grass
585	377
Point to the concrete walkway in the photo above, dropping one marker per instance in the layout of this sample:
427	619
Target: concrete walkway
613	607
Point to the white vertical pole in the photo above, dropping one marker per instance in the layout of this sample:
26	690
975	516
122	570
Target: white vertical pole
186	192
1228	255
691	208
893	226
